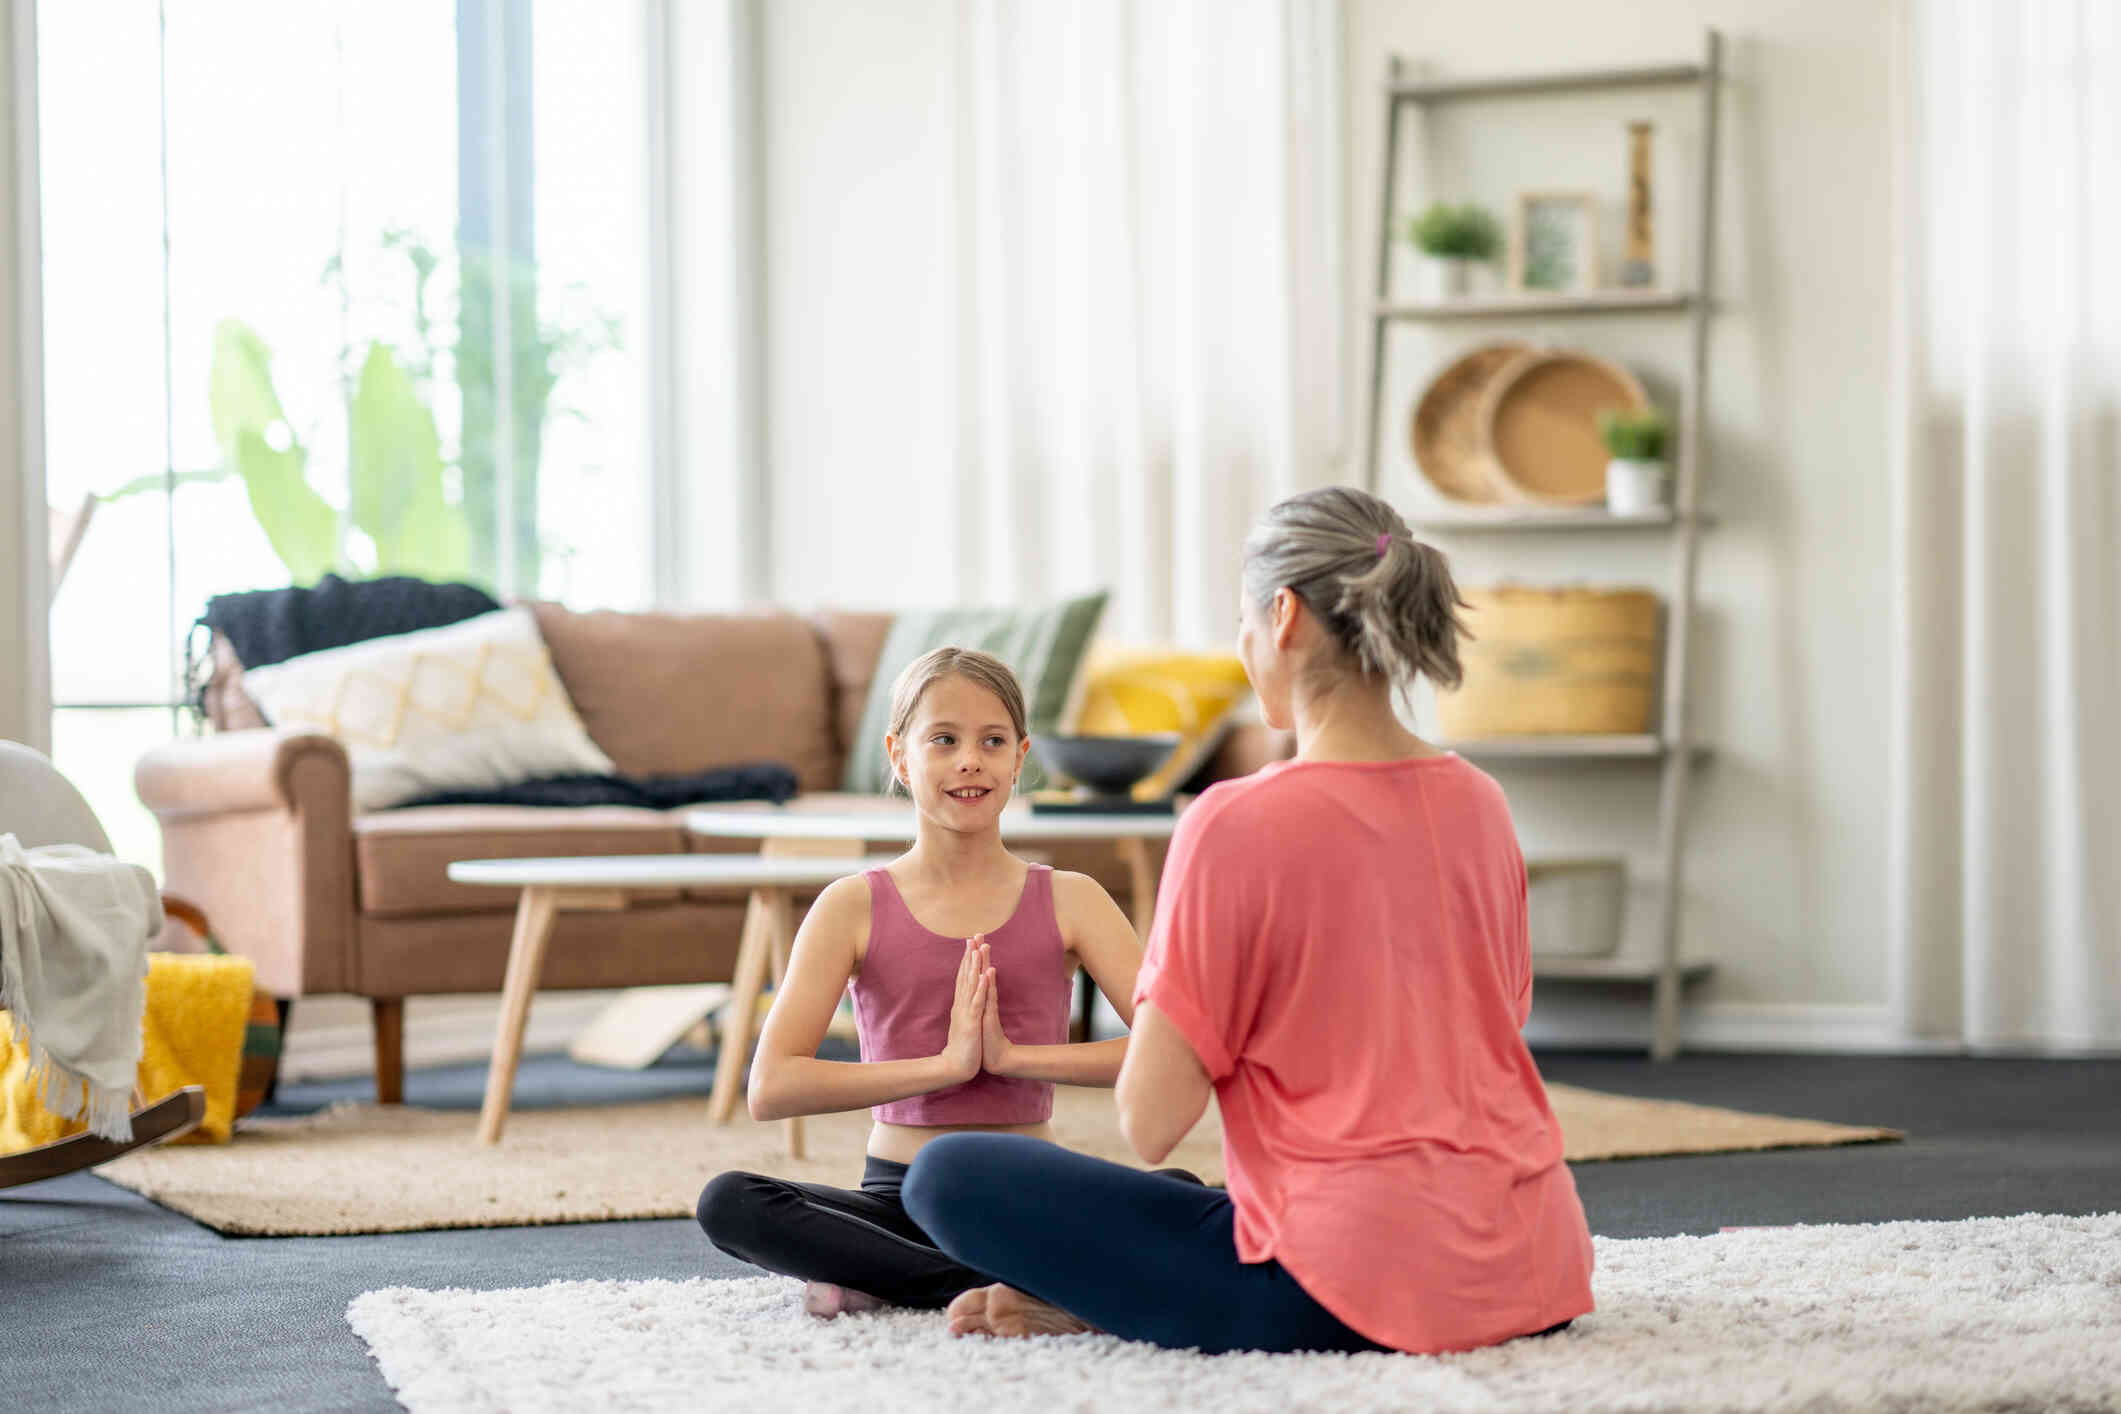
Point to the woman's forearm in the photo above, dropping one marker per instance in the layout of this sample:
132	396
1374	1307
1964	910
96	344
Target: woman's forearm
1085	1063
805	1085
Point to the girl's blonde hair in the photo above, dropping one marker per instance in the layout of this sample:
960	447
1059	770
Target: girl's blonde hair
980	669
1387	598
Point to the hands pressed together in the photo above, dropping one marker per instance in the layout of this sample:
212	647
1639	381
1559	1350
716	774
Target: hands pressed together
976	1041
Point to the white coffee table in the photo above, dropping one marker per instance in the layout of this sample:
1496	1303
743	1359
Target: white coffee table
845	824
551	887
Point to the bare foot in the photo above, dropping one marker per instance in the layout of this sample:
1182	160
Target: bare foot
1000	1310
825	1300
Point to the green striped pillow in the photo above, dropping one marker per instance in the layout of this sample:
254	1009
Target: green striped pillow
1045	647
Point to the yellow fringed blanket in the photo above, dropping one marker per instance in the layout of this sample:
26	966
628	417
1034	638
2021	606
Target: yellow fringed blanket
197	1008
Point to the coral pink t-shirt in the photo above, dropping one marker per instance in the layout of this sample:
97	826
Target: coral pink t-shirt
1343	944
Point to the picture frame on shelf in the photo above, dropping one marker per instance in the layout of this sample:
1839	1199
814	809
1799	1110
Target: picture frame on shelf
1554	243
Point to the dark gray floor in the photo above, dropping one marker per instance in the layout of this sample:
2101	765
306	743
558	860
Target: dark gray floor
109	1302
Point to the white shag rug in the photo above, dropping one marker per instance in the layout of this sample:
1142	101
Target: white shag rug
1991	1314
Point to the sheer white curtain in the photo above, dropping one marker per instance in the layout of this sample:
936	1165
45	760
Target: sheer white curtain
2006	874
1147	336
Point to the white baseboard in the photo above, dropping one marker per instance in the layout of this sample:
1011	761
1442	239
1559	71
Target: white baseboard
331	1037
1565	1021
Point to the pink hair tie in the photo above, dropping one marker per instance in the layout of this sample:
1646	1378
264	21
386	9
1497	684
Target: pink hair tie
1384	542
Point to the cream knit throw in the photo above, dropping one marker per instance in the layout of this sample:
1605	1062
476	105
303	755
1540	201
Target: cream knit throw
74	930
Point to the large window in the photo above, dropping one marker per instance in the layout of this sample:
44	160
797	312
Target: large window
350	286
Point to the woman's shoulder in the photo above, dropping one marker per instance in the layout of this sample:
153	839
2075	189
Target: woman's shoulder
1266	792
1288	797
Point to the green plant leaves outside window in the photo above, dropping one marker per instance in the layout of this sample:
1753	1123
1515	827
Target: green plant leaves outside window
395	467
399	498
301	526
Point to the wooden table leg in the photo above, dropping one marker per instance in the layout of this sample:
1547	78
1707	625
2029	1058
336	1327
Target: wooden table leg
767	939
1141	884
753	947
1141	890
526	959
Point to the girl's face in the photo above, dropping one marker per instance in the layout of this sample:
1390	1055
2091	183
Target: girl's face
960	756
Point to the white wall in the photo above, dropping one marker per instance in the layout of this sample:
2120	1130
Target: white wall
24	673
1786	857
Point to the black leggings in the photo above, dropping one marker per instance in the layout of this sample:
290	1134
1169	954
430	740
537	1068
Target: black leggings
860	1239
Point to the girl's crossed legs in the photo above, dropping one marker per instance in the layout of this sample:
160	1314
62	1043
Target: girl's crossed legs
860	1240
1141	1255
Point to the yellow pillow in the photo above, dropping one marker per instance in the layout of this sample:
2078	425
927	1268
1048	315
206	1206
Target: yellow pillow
1134	691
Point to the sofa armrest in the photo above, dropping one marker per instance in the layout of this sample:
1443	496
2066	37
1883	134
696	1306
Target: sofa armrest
229	772
257	829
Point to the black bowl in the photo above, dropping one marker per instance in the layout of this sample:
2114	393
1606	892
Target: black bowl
1108	765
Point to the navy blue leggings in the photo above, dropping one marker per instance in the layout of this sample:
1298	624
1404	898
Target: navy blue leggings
1136	1254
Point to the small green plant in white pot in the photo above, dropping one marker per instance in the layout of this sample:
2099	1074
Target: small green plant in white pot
1453	237
1637	476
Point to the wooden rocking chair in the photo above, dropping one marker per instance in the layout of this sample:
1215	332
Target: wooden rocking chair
41	807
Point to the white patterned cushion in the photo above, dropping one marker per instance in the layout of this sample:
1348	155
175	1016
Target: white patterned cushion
470	706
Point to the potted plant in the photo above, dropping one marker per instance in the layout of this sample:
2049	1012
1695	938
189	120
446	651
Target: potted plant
1636	474
1451	236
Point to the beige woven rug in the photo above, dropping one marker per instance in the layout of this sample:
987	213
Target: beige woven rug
360	1168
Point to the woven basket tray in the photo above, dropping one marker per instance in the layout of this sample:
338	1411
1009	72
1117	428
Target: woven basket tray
1445	430
1538	419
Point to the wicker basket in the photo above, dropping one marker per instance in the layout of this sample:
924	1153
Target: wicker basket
1543	662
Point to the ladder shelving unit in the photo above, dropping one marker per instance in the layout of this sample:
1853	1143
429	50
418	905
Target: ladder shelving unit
1671	747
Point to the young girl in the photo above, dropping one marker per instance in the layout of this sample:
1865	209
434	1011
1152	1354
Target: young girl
959	956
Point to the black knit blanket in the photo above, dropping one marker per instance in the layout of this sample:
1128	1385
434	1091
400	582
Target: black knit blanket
760	780
272	625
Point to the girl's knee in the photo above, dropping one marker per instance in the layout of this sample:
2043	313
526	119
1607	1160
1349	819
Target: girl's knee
728	1206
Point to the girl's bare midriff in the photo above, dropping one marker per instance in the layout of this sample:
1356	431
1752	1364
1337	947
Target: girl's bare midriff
898	1143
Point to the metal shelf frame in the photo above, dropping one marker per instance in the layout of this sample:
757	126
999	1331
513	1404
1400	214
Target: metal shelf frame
1519	518
1673	748
1569	748
1529	306
1405	90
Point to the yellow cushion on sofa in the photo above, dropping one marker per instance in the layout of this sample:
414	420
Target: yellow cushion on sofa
1133	691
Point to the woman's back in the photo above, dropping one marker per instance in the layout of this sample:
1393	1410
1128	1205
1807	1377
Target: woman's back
1344	945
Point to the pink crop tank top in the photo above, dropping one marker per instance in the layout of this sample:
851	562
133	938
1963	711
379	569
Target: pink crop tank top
908	979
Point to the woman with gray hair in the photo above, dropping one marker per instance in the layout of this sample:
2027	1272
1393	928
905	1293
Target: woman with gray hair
1340	956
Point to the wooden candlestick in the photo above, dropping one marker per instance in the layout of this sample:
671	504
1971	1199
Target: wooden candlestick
1636	266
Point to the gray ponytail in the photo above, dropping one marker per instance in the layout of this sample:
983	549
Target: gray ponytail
1386	597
